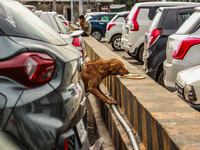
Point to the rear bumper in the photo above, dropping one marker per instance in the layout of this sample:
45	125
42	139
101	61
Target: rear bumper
107	37
76	137
171	70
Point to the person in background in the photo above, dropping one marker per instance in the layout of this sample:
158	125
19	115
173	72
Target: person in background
85	25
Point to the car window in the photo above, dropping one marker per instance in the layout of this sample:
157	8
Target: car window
104	18
120	19
21	22
190	25
60	25
155	21
98	18
111	16
185	16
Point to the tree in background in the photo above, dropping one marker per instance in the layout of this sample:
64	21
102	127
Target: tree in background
129	3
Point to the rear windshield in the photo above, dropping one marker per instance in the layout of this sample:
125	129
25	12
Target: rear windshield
16	20
60	24
155	21
190	25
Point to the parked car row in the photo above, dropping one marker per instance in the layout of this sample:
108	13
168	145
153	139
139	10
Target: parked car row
99	23
165	36
166	22
114	30
42	97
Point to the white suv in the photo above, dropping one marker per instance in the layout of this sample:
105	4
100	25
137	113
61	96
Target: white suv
137	23
188	85
182	49
75	38
114	30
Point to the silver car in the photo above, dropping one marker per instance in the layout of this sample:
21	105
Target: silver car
182	49
137	23
114	30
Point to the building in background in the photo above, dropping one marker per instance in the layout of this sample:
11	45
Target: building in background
71	9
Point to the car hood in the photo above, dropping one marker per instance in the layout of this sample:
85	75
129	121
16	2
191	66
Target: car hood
189	76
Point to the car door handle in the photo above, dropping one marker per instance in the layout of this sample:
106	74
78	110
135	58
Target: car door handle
101	23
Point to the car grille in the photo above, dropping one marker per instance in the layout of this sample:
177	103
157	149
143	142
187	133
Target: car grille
179	89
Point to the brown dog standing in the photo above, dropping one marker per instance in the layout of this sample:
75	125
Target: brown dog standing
95	71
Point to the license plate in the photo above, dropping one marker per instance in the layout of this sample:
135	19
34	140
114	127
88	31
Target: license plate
82	133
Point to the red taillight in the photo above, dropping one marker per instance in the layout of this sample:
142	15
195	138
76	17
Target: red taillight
29	68
65	22
110	25
134	24
184	46
77	43
154	35
66	144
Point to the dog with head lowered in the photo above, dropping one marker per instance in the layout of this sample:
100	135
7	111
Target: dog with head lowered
95	71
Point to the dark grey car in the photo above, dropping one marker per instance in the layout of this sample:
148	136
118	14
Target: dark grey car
42	100
166	22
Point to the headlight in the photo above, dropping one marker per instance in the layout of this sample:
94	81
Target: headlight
189	93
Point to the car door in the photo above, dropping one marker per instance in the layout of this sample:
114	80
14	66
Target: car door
100	22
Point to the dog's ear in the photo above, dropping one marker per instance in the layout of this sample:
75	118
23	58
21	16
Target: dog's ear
112	66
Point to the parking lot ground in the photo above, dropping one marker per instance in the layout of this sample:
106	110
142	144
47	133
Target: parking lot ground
123	54
96	126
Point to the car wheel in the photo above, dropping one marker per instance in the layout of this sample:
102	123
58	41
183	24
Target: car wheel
160	79
140	54
97	35
135	57
116	43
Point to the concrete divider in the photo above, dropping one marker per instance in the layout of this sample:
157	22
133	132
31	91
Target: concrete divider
160	118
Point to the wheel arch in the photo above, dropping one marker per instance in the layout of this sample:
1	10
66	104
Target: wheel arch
159	70
114	36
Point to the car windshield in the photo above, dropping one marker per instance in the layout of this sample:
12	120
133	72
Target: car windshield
16	20
190	25
155	21
60	25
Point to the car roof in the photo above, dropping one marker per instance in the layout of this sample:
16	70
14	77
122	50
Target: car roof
40	12
180	7
109	13
197	9
151	4
123	12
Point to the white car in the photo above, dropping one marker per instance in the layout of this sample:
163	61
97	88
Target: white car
137	23
188	85
75	38
64	21
114	30
182	49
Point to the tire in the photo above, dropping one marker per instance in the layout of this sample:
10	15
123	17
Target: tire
116	43
97	35
160	79
140	54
